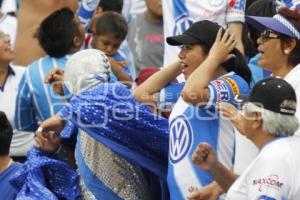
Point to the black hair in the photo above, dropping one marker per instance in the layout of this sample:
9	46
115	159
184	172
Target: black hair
111	5
249	3
238	65
112	23
264	8
57	31
6	133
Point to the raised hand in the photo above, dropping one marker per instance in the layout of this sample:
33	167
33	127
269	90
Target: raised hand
56	78
204	157
229	111
222	47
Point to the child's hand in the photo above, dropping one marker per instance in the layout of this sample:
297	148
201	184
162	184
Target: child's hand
55	75
222	47
56	78
117	66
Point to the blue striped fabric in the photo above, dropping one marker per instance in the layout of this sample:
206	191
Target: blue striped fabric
36	101
191	125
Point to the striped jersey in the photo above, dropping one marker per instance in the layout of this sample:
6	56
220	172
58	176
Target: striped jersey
190	126
37	101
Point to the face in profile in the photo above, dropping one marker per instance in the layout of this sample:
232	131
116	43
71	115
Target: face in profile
271	50
191	56
6	52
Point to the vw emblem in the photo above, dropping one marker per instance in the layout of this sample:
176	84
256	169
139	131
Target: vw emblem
182	23
181	138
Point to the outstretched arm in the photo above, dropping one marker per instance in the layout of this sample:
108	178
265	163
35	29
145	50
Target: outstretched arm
205	158
147	91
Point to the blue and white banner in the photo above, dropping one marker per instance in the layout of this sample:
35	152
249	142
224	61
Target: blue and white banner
86	10
290	3
176	14
180	14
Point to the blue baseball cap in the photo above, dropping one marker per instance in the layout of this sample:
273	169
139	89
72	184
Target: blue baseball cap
277	23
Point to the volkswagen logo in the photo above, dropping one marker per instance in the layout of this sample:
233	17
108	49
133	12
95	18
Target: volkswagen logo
182	23
181	138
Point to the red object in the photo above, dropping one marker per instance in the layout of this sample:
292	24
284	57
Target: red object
146	73
232	3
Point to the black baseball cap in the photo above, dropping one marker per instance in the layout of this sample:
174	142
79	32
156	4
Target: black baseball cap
273	94
201	32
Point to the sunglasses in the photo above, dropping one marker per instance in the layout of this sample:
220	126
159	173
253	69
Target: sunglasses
268	34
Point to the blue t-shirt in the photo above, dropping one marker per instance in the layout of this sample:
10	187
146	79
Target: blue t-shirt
190	125
257	72
36	101
7	192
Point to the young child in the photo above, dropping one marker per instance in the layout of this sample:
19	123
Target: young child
7	167
110	31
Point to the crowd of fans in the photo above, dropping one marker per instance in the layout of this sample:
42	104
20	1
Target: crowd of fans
150	99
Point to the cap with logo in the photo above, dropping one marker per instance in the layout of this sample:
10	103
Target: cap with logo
273	94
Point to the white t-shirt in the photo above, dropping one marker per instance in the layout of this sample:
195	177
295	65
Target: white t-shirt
133	7
245	152
293	78
273	175
21	141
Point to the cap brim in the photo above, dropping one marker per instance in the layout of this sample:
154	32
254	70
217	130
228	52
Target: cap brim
181	39
262	23
241	98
